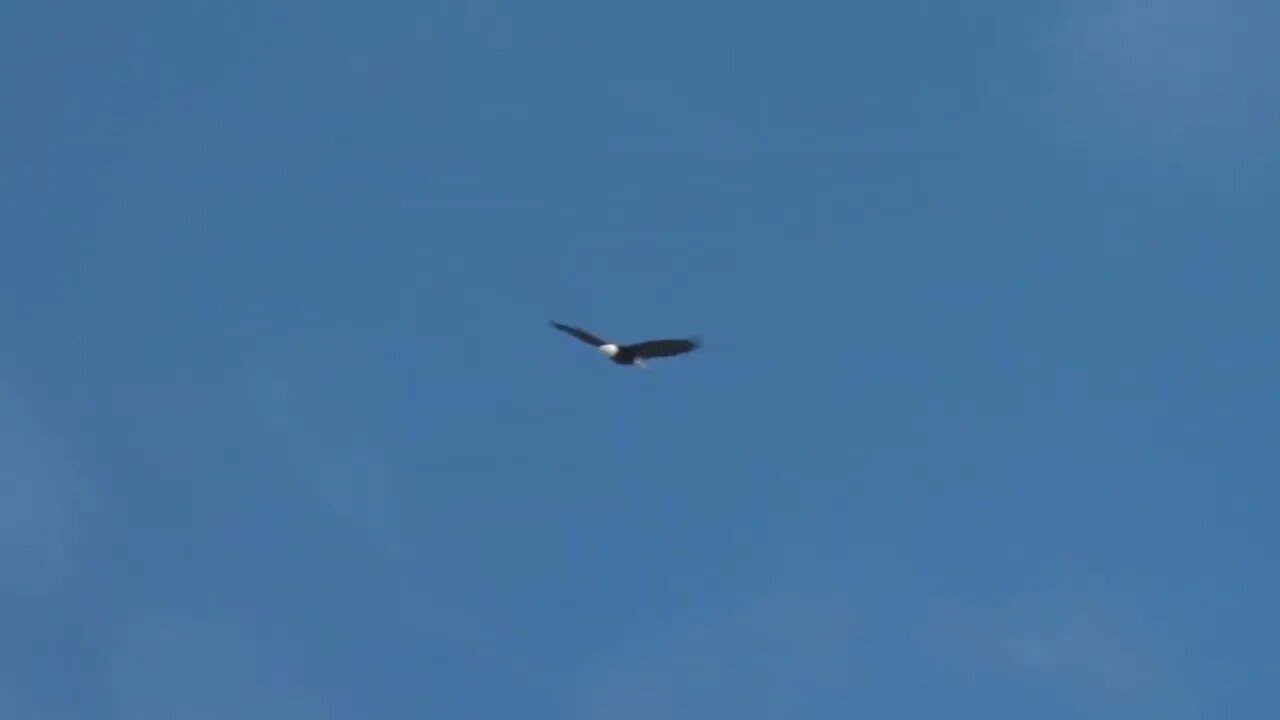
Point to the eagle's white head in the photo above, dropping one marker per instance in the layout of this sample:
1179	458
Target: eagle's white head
609	349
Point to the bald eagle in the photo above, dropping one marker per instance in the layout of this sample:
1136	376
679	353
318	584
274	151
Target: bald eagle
634	353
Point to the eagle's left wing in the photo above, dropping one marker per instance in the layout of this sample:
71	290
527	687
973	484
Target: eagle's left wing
664	348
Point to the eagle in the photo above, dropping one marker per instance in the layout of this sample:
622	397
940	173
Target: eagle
634	353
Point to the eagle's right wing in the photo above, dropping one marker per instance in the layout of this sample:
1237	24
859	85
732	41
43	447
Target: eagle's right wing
579	333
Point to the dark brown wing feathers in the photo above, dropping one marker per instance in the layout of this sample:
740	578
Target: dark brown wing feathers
664	348
579	333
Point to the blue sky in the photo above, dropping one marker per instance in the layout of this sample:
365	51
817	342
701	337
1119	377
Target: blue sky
985	424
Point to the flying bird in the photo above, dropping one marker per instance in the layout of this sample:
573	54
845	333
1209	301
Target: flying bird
634	353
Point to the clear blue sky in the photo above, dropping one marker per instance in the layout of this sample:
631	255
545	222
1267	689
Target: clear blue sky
985	424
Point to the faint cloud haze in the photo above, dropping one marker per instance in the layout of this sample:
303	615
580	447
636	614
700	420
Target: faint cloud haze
773	656
171	668
35	501
1086	650
1172	71
1079	645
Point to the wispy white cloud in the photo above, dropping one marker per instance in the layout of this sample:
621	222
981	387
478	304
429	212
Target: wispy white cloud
1099	652
1176	73
771	656
189	668
37	501
351	485
1086	650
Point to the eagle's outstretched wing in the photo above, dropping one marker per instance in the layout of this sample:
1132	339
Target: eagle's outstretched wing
664	348
579	333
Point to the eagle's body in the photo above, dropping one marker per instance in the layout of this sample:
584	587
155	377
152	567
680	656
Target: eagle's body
634	353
